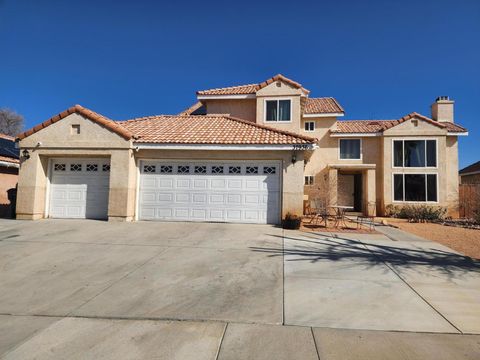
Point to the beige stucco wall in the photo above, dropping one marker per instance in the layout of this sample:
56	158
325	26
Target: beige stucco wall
284	91
447	162
57	141
242	108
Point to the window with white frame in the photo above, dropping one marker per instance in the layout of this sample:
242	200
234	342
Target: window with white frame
415	187
278	110
309	125
309	179
350	149
414	153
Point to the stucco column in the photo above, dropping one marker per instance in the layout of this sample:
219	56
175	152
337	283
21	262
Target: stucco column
369	189
32	185
293	186
333	187
123	181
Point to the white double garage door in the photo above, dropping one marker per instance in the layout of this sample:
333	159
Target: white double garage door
234	191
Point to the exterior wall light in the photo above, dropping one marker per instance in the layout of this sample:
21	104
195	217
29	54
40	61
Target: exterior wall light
294	158
26	154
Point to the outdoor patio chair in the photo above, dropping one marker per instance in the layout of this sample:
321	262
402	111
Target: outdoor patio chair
318	211
367	218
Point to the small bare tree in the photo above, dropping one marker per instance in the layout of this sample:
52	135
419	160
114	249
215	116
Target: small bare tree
11	123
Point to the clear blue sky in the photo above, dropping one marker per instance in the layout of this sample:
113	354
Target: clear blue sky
380	59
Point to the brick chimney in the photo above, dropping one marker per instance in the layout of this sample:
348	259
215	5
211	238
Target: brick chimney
442	109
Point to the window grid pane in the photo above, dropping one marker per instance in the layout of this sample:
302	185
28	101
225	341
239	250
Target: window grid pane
271	110
431	153
284	110
432	187
350	149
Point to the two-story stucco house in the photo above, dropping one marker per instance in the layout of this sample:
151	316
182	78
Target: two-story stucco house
248	153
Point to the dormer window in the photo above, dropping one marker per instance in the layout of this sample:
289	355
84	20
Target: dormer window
278	110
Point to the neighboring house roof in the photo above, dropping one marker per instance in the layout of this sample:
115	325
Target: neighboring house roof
8	152
208	129
471	169
196	109
89	114
324	105
375	126
251	88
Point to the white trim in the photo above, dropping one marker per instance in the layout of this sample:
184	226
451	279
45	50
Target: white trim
277	99
137	190
339	149
312	177
426	189
403	154
457	133
47	190
354	134
220	97
9	164
309	122
352	166
323	115
153	146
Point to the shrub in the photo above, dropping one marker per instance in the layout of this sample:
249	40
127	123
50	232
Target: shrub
418	213
291	222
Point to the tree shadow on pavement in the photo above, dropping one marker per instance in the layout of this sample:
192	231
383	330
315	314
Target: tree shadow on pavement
336	249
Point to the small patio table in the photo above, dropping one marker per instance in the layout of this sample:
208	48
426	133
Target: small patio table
340	214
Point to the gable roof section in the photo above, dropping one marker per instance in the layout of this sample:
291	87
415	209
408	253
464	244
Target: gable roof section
471	169
251	88
323	105
208	129
377	126
89	114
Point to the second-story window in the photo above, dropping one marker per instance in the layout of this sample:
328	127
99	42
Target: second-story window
415	153
309	125
350	149
277	110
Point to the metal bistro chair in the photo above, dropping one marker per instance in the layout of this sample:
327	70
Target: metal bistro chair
368	218
318	211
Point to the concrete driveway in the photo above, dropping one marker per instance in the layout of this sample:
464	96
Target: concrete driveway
76	289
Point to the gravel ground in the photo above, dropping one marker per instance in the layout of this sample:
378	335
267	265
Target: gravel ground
465	241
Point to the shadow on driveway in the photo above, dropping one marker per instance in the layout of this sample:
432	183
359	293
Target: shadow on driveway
371	254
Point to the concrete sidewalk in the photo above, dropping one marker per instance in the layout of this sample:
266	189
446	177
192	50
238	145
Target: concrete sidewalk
31	337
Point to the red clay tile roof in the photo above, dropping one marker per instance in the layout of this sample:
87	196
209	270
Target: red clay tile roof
452	127
231	90
323	105
374	126
475	167
250	88
208	129
89	114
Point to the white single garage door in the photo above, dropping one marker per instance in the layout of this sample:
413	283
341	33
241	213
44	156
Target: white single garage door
79	188
242	191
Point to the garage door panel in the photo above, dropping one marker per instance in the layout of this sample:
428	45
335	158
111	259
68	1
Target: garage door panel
79	188
213	191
